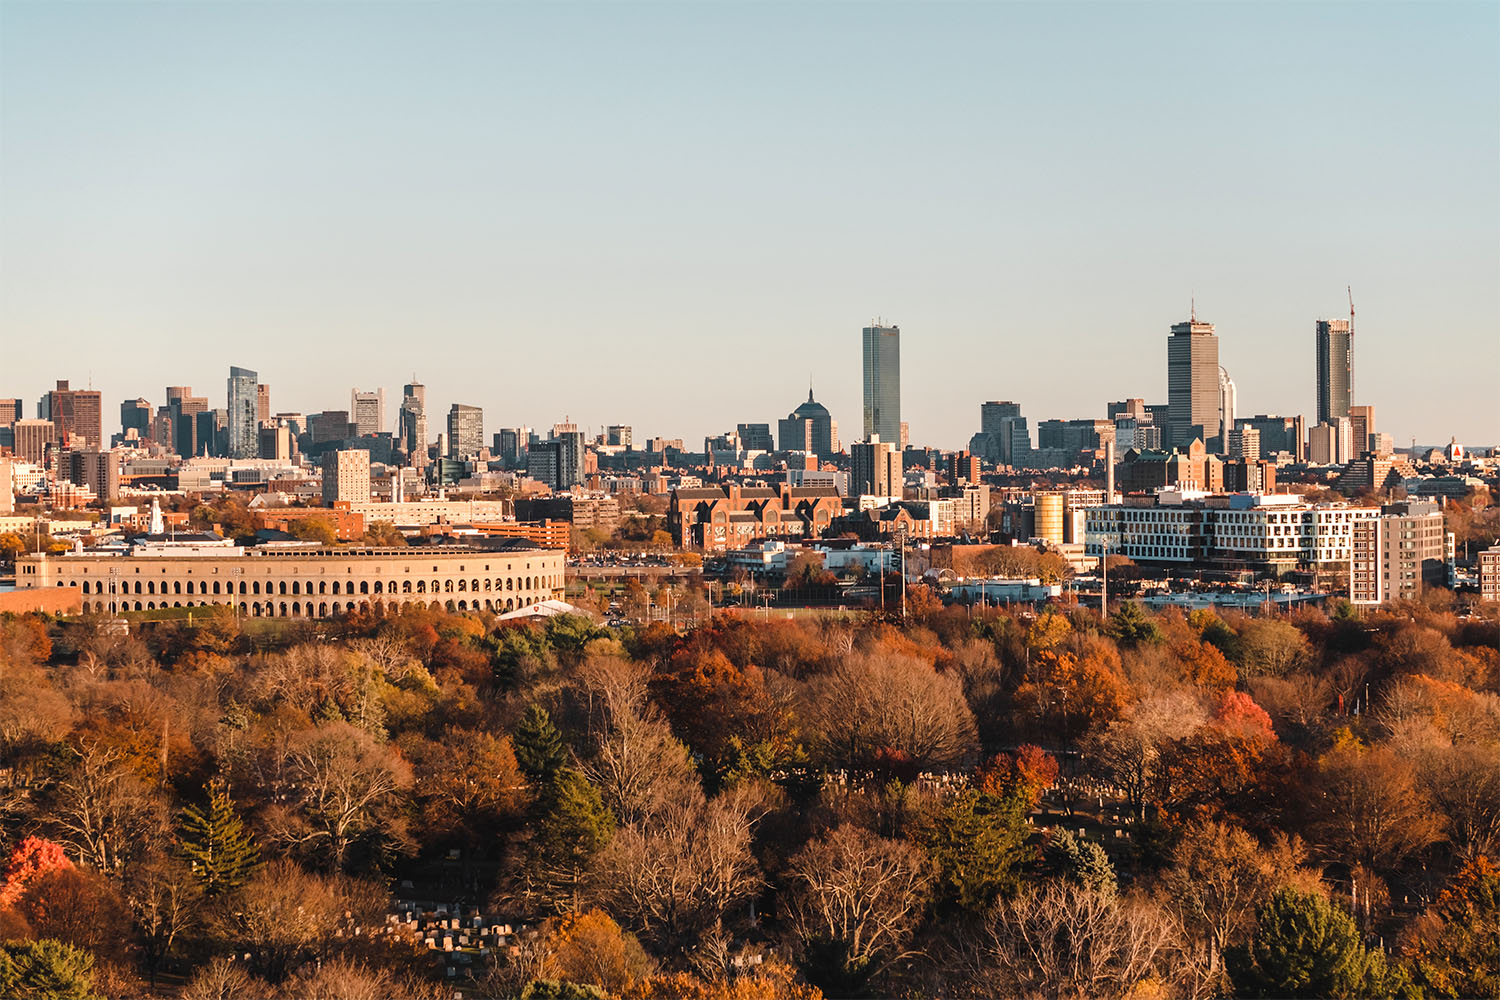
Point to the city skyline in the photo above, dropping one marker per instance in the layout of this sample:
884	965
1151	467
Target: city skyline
607	209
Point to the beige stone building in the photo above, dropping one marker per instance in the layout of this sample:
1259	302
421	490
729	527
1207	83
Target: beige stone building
300	582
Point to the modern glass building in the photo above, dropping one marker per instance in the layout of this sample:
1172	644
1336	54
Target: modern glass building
1335	342
882	357
1192	383
244	410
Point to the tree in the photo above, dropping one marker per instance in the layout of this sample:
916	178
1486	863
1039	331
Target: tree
1070	695
589	947
383	533
105	813
674	879
78	907
467	785
1455	949
539	747
314	529
1270	647
854	900
1219	875
222	853
1082	862
281	914
30	860
1304	946
1370	807
45	970
1063	940
224	979
978	842
1133	627
163	897
551	873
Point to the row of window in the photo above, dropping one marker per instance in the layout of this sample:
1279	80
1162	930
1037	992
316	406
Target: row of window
296	587
296	609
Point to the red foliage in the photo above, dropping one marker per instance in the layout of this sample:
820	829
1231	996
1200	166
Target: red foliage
1030	770
31	859
1238	713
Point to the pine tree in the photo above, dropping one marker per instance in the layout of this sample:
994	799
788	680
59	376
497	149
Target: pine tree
1082	861
1305	946
222	852
539	748
979	842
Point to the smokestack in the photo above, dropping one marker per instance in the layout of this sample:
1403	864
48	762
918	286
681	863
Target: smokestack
1109	471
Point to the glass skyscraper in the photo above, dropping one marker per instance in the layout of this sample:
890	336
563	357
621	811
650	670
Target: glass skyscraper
1335	338
1193	407
244	410
882	355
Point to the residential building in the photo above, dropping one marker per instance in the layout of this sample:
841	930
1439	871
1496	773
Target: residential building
7	487
1331	443
1244	442
1489	575
346	476
875	469
96	470
262	402
243	413
367	412
1193	404
1362	428
570	455
1398	554
1334	348
544	461
882	383
465	431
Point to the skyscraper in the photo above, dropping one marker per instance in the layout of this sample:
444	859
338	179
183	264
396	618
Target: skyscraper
882	357
135	415
1226	404
77	413
1335	346
346	476
1006	437
465	431
244	413
875	469
414	424
1192	382
367	412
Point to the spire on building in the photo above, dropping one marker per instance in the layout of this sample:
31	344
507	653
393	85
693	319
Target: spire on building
156	527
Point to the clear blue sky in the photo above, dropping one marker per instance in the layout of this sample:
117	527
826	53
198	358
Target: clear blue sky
669	215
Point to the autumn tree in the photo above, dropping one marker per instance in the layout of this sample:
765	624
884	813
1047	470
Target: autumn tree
105	814
1455	948
280	915
1370	808
46	970
467	784
1271	647
854	901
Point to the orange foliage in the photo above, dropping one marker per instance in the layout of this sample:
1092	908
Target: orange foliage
31	859
708	698
1238	713
770	981
1031	770
1203	666
1073	694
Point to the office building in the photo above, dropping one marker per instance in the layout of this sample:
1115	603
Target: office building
570	454
328	427
10	411
1004	437
809	428
1192	383
77	415
7	487
875	469
882	383
346	476
367	411
1074	435
262	402
413	429
755	437
1244	442
1398	554
621	436
1226	403
465	432
32	439
1278	435
1331	443
544	462
244	413
1334	348
179	424
1362	428
511	442
276	440
135	420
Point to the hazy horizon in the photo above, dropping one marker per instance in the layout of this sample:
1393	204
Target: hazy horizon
670	216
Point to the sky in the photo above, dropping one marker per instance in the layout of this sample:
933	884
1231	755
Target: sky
675	215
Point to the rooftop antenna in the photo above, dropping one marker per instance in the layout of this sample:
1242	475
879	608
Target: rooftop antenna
1192	309
1350	289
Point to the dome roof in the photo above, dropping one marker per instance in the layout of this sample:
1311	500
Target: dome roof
810	410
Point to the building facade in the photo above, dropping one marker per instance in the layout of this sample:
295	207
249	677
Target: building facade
465	431
300	582
346	477
1398	554
809	428
367	412
875	469
1489	575
242	416
882	382
1192	382
1334	346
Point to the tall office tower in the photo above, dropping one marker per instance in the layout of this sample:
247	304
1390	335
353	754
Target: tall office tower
808	428
1335	347
135	415
414	424
181	425
875	469
544	462
77	413
620	435
262	402
330	425
276	440
510	444
465	431
10	411
346	476
755	437
1192	382
244	413
211	432
1226	402
882	355
569	455
1362	422
1008	436
367	412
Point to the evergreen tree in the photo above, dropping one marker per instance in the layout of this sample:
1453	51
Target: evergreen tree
222	852
978	841
46	970
1082	861
576	827
1133	627
1305	946
539	749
